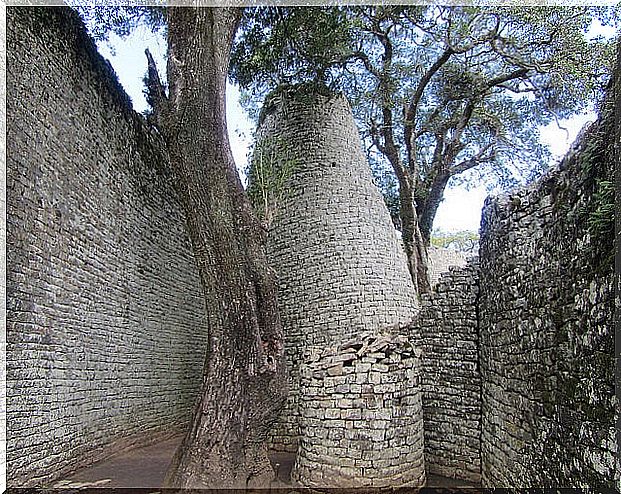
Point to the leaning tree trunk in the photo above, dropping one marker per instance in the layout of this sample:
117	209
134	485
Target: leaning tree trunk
244	383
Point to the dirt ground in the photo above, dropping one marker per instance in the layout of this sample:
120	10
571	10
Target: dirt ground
146	467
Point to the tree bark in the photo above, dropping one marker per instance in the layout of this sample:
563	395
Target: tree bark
413	241
427	207
415	247
244	382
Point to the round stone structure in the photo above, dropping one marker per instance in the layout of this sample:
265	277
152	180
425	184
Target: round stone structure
361	416
340	264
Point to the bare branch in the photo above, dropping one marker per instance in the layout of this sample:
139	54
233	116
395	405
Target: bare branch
156	96
476	160
545	102
359	55
375	137
412	109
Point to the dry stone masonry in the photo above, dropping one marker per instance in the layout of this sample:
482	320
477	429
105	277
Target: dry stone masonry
361	415
105	329
341	268
517	369
446	332
440	260
546	325
503	375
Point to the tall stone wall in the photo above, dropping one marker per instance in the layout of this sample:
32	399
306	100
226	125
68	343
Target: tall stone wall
447	333
341	268
546	326
105	328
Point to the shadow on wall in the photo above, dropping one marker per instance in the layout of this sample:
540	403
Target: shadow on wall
517	369
105	316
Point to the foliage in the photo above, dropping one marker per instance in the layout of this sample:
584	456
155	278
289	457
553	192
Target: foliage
304	92
101	20
463	241
436	90
286	45
601	219
270	169
597	160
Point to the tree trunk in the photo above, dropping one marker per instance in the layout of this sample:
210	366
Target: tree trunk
428	207
415	246
244	383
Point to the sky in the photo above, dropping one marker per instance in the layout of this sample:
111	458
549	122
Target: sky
461	208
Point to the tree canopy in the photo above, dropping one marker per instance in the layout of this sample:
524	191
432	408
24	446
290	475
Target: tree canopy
121	20
436	90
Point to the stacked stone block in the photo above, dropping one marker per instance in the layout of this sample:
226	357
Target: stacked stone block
105	314
446	331
440	260
546	325
341	268
361	415
106	335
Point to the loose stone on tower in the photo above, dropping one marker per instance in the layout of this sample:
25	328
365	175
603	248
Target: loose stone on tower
361	415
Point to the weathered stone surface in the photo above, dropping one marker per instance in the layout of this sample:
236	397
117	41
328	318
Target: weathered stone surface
546	325
341	268
105	329
372	434
441	259
446	331
105	324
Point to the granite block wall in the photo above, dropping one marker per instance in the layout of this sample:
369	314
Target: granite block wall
446	331
106	334
546	324
341	268
440	260
361	417
105	317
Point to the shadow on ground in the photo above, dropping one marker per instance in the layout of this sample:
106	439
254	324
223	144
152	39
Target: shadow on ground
146	467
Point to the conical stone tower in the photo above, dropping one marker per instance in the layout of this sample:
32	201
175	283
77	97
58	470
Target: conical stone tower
341	269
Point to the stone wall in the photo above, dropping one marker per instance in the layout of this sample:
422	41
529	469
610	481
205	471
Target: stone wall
105	318
546	326
440	260
106	337
361	418
341	268
446	332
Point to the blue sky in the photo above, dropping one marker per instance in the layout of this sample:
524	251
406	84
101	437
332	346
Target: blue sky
461	208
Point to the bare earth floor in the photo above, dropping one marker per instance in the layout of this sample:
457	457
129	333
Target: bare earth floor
146	467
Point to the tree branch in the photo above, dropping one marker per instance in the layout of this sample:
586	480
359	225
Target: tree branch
516	74
156	96
359	55
411	110
455	146
477	159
